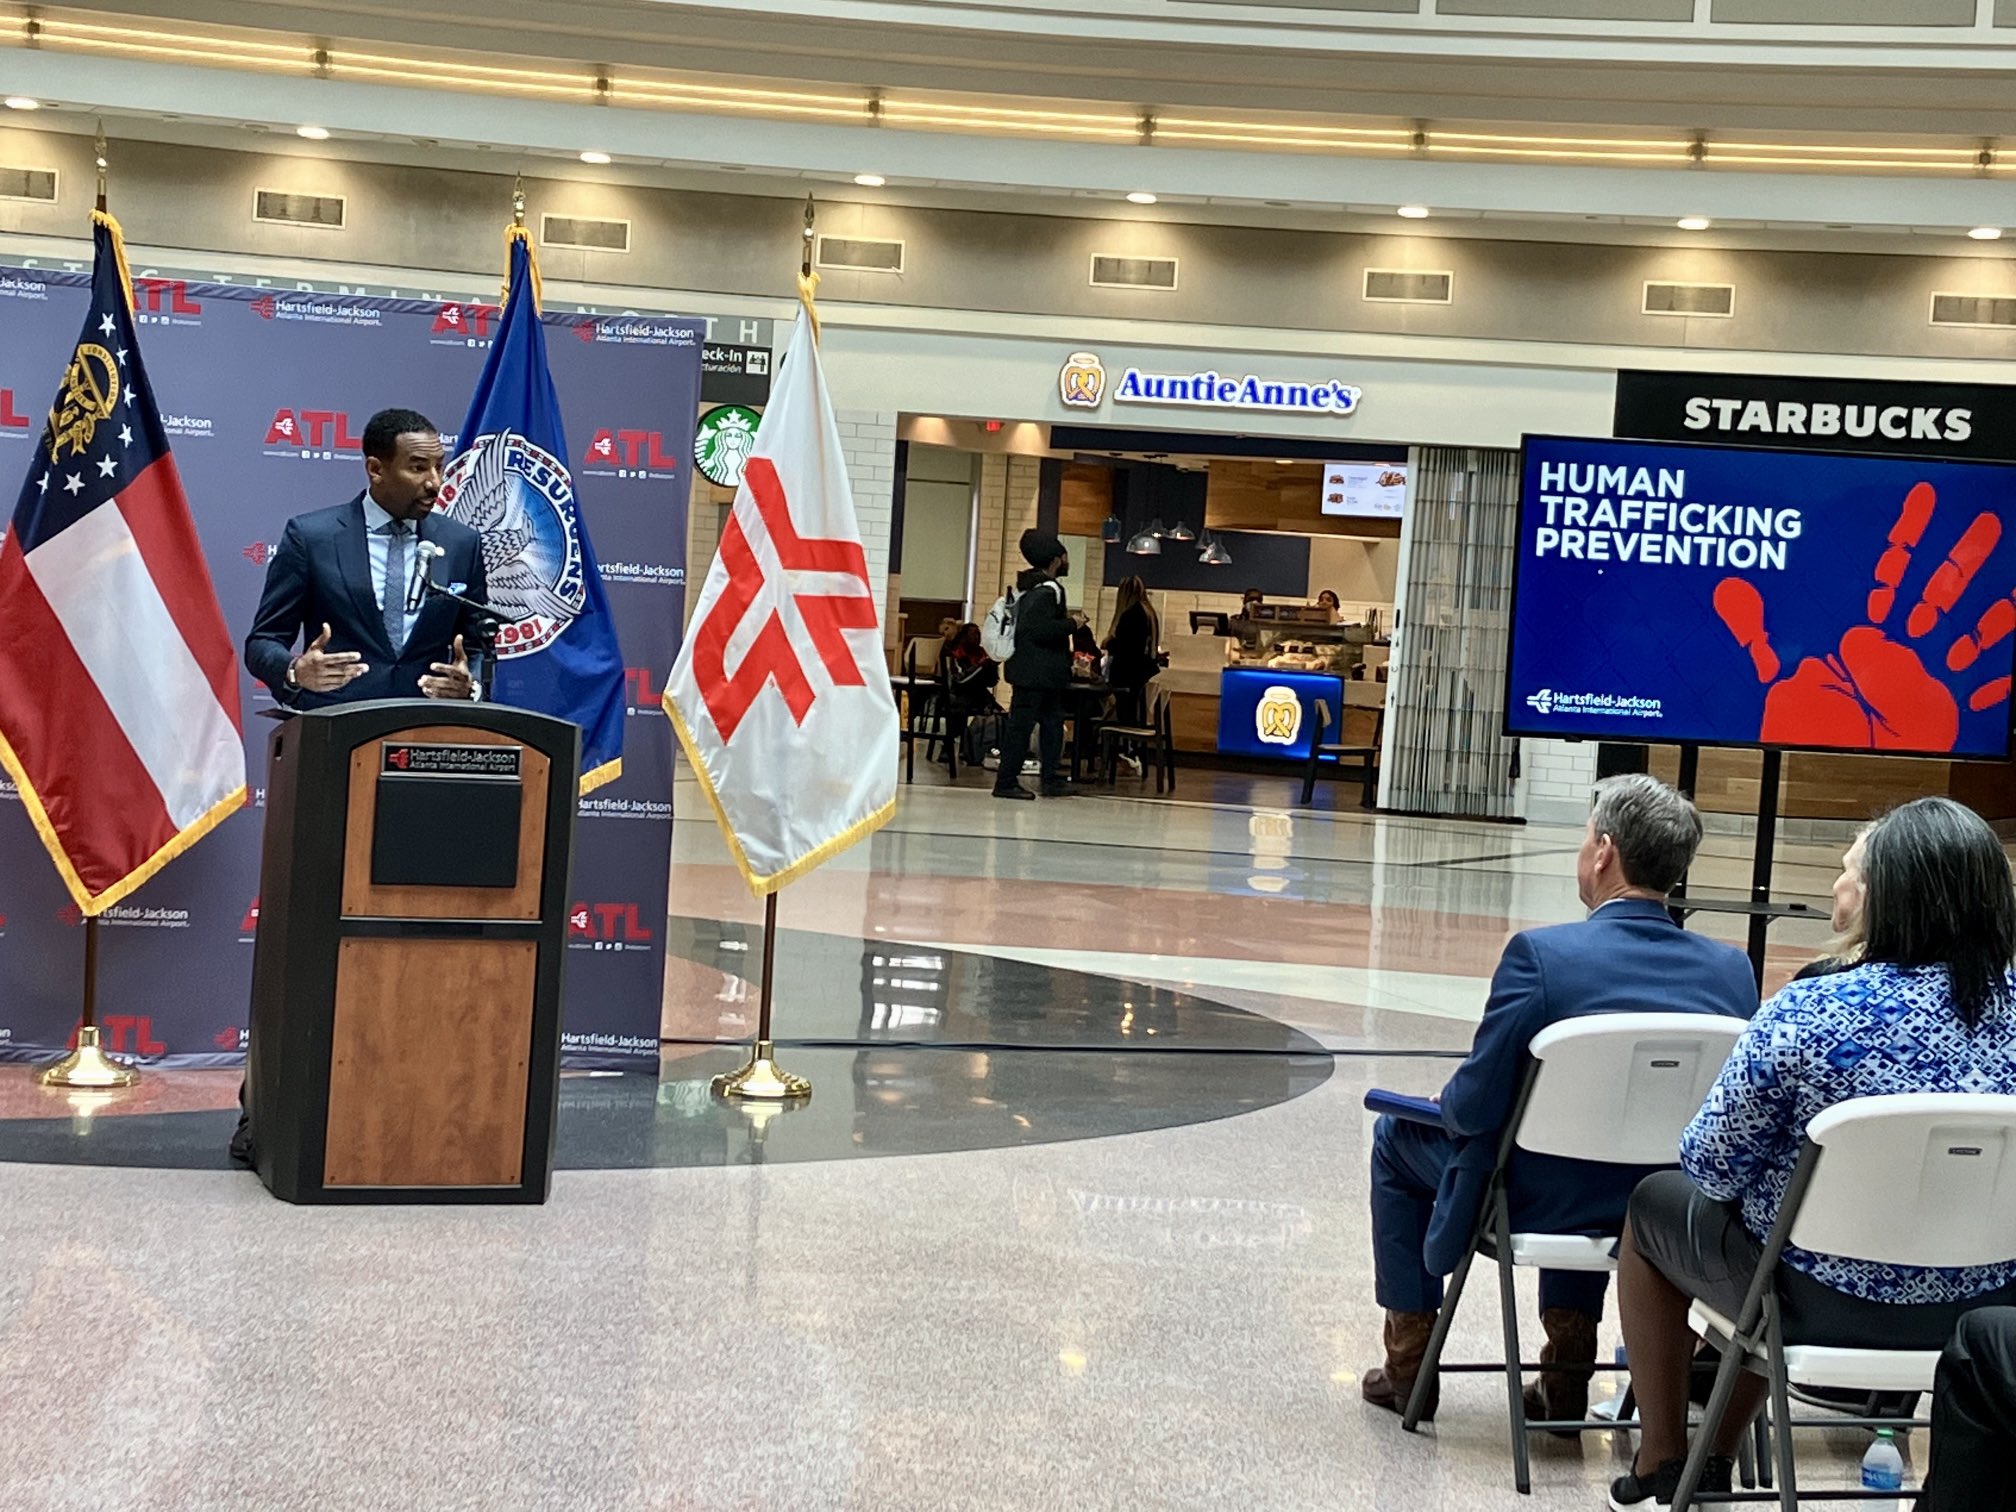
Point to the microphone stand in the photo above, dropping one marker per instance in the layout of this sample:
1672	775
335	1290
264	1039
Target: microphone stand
485	623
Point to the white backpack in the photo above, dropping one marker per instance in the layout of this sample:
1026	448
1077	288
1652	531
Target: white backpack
997	631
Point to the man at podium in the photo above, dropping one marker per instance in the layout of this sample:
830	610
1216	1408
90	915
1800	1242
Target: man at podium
350	584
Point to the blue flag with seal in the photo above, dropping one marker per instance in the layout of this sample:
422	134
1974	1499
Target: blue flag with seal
557	651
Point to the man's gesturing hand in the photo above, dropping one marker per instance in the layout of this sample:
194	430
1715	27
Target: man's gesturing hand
450	679
320	670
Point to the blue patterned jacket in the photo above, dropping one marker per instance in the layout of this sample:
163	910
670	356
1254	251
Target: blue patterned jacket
1861	1033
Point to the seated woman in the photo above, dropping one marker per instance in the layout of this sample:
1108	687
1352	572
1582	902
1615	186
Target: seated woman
1929	1005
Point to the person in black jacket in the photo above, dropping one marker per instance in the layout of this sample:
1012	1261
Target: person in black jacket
1135	643
1040	669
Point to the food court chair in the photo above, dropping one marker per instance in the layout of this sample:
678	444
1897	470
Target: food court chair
1360	730
1611	1089
1917	1179
1158	736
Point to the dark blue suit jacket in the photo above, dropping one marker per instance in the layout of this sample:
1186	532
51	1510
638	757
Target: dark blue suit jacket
1627	957
321	574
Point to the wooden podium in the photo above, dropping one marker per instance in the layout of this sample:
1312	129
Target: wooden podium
412	928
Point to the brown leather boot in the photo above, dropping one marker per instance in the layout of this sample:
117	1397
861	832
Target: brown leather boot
1563	1396
1406	1346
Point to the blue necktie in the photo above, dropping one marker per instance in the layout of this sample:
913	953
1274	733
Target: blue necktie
394	607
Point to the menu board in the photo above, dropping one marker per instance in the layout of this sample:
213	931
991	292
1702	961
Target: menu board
1377	489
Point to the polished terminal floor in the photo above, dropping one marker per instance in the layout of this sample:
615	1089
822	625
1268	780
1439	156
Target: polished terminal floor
1074	1217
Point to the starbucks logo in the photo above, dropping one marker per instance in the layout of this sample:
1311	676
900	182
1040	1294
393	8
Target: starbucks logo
724	442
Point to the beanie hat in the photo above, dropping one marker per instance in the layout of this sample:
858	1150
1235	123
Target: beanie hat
1040	548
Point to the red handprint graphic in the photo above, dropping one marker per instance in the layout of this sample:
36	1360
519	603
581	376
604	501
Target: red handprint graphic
1875	692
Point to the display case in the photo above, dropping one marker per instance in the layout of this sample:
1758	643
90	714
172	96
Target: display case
1296	638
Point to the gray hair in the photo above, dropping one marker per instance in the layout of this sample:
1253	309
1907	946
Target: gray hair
1655	829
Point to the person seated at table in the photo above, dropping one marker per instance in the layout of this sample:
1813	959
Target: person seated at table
971	676
1930	1006
1429	1182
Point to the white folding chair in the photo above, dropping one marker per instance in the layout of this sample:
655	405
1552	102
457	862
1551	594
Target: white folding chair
1612	1089
1918	1179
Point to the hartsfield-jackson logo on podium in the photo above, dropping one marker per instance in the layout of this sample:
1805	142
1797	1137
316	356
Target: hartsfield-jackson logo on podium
1081	383
1277	718
520	499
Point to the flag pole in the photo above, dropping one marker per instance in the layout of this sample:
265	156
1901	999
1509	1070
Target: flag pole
88	1068
762	1078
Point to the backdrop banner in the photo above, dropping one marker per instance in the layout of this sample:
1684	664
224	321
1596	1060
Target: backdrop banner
264	395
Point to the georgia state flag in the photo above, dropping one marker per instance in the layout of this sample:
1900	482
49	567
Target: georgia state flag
780	694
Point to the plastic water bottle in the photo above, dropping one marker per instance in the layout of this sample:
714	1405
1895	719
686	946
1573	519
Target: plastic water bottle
1883	1469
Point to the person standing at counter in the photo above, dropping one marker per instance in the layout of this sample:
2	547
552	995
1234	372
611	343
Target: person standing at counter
1040	669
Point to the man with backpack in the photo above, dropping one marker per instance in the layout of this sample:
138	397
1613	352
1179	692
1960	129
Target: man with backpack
1039	670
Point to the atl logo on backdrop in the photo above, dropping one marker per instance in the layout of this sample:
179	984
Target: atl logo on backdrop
164	301
11	418
644	691
607	926
462	324
312	434
629	454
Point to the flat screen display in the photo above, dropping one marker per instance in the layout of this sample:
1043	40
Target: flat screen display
1810	600
1377	490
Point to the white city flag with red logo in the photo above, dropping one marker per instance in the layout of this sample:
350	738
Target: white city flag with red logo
780	694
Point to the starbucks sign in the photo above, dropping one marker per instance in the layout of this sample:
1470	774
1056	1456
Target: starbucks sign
722	444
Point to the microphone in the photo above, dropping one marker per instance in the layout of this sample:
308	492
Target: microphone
423	573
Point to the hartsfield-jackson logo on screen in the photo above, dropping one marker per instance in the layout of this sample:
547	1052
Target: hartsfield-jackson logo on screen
607	926
1551	701
313	435
628	453
165	301
520	499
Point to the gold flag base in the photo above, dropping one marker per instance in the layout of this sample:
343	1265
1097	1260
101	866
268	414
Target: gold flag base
762	1078
88	1066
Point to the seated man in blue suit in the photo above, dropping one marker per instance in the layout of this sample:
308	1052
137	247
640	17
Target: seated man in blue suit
1428	1184
345	583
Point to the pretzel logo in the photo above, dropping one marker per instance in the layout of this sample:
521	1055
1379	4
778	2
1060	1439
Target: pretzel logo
1082	383
1278	718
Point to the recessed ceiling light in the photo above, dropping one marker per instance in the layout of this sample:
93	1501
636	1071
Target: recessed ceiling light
1986	233
1693	223
313	133
1140	197
598	159
23	102
1413	212
870	180
1284	461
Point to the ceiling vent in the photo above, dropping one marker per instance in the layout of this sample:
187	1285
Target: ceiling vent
28	184
1973	310
1110	270
858	254
1403	286
1714	300
583	234
324	211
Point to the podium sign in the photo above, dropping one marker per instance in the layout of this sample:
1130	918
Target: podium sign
407	976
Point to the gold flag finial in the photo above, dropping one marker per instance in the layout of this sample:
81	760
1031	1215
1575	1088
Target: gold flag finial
98	151
518	200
